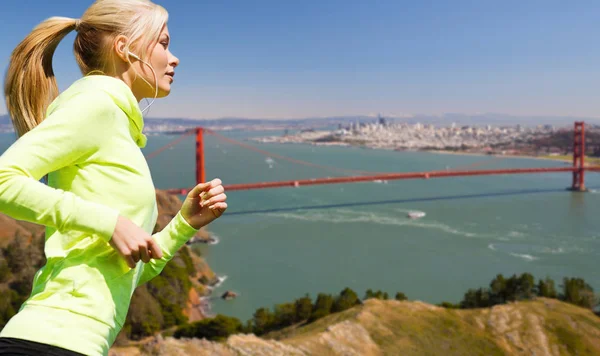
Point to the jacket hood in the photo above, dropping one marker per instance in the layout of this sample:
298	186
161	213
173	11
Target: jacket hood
123	98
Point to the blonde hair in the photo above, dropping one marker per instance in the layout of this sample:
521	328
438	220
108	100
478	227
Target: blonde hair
30	85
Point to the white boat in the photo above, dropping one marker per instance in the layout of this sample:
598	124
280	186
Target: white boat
380	181
416	214
270	162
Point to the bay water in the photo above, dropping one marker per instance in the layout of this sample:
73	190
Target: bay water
276	245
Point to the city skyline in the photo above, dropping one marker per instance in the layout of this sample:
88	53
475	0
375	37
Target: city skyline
274	60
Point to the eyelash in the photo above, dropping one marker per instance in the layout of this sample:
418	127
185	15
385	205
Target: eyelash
165	44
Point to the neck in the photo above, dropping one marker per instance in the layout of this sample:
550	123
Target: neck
127	75
128	79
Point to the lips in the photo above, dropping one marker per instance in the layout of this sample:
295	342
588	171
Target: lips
171	74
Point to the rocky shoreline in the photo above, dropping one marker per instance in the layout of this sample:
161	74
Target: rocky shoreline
204	281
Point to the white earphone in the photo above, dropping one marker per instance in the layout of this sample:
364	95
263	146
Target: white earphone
155	79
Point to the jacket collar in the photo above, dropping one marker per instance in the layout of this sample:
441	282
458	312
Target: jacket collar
125	100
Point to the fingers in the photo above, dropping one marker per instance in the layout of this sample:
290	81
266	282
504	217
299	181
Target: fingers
218	207
215	197
129	261
135	254
155	249
215	182
146	251
144	255
203	187
214	191
133	243
195	192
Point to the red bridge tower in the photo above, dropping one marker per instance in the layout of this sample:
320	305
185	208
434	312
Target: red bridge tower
200	172
578	157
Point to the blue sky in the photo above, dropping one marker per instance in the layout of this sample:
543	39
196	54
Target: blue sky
313	58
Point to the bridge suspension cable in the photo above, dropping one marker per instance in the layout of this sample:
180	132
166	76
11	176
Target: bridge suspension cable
188	133
296	161
578	169
168	145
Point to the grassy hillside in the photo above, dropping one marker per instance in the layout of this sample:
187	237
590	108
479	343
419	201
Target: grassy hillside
389	327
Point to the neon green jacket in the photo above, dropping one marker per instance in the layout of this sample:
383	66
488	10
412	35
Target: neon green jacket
89	144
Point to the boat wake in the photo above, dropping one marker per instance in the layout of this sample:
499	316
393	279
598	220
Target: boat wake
524	256
346	216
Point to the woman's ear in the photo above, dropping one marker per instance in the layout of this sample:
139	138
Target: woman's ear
119	46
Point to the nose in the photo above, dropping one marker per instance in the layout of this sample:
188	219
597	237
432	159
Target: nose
173	61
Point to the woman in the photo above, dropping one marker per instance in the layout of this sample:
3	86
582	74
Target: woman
99	206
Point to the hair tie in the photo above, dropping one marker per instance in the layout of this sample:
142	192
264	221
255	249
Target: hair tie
77	24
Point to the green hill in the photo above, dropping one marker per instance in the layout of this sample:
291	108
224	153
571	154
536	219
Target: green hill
389	327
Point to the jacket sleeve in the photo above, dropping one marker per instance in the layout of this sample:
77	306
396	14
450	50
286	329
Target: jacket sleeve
71	133
170	239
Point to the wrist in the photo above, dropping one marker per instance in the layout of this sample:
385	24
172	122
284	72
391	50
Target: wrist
186	221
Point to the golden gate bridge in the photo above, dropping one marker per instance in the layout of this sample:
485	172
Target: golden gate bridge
577	169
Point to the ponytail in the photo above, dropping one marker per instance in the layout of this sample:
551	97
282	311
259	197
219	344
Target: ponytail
30	85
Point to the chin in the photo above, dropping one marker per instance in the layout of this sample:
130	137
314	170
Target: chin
164	92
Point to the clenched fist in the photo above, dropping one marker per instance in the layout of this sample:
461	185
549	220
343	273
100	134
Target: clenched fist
204	203
133	243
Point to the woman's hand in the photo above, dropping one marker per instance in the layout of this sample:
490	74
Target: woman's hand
204	203
133	243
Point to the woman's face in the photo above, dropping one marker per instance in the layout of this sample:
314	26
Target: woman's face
163	62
